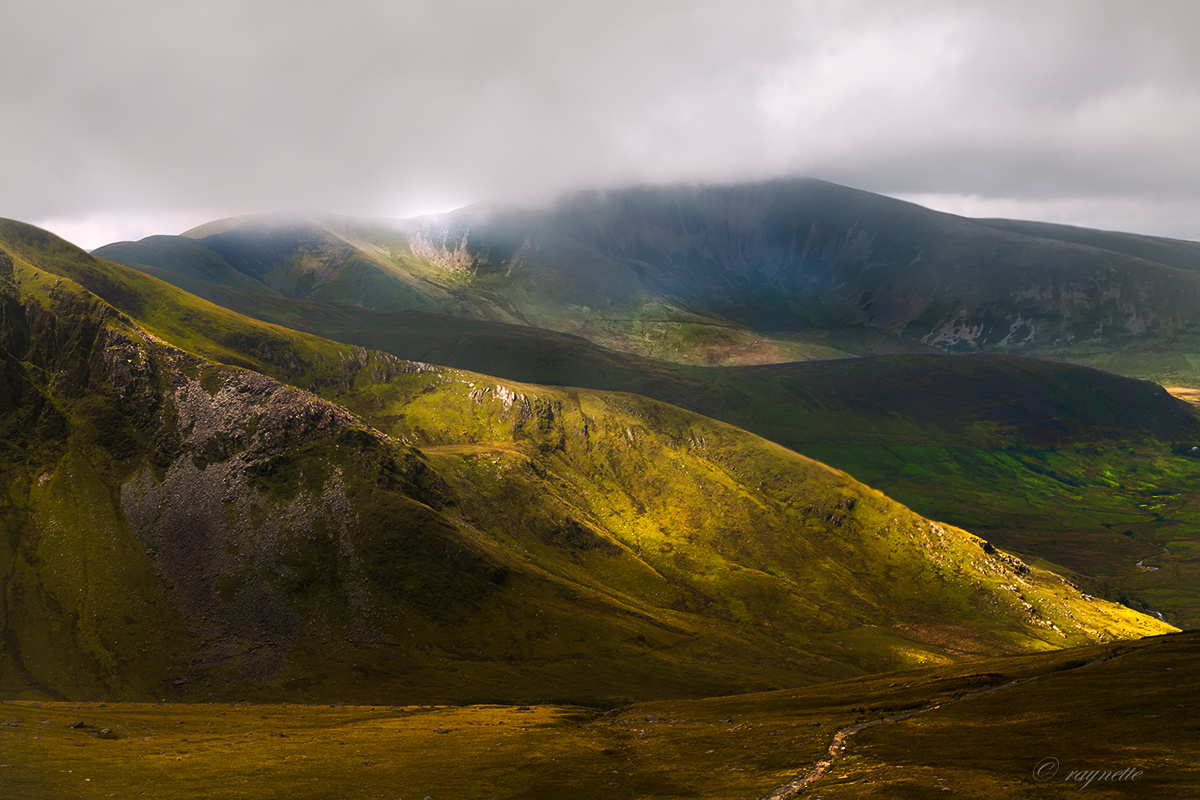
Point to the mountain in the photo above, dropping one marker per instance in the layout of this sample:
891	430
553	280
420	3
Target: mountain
182	520
777	271
1088	471
1054	462
800	255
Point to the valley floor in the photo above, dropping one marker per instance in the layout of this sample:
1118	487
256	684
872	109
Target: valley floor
1119	718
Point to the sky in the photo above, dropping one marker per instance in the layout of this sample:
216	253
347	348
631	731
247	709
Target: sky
124	118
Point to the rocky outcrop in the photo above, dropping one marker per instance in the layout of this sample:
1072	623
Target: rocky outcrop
245	510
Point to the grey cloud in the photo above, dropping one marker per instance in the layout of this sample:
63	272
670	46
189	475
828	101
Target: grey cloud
359	107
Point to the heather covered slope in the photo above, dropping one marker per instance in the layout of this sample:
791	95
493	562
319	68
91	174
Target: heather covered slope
179	525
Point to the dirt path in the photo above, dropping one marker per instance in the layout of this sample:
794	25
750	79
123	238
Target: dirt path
471	449
837	747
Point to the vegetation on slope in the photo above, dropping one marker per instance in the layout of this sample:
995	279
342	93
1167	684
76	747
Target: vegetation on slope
547	543
1089	471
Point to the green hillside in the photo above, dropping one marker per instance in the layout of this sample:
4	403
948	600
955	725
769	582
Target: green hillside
1085	469
181	522
797	270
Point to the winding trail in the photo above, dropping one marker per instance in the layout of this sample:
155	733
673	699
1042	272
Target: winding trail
837	747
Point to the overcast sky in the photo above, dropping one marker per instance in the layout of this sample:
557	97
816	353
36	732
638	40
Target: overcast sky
122	118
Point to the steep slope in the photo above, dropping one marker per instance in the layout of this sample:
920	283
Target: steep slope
176	521
1088	470
798	254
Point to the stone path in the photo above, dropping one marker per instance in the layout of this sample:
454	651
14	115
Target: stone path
837	747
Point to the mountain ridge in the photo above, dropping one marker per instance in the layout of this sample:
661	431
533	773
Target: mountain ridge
740	274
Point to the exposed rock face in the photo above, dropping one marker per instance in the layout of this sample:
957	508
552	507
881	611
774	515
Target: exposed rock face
246	512
199	518
244	494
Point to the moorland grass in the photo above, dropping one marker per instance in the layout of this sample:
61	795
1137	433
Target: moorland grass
1129	705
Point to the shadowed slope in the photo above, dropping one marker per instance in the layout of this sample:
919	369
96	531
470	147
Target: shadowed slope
775	271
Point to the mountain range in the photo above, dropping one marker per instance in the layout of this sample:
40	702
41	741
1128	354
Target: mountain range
650	445
777	271
187	506
1031	453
